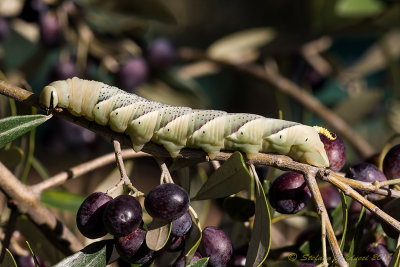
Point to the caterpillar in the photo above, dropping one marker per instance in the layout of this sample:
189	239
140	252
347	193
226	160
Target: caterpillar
177	127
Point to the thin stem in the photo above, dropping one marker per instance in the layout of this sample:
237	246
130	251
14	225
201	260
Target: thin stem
165	174
120	163
326	176
321	210
82	169
368	187
323	239
194	214
379	184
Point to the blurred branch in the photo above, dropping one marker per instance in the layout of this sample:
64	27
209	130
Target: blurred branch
271	76
82	169
26	202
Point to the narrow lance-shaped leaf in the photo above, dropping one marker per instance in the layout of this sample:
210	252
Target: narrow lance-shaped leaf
260	241
13	127
356	239
158	234
62	200
193	241
200	263
396	258
96	254
230	178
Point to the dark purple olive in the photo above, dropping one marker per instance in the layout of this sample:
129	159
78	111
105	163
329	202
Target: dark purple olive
63	71
366	172
393	209
4	29
216	245
132	248
133	73
167	201
289	193
378	256
122	215
89	217
331	197
161	54
180	226
336	152
175	243
391	163
50	30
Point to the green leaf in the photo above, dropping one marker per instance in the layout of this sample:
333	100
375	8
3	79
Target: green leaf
33	255
96	254
358	8
12	257
395	258
260	241
200	263
158	234
230	178
11	157
192	241
239	208
62	200
356	239
13	127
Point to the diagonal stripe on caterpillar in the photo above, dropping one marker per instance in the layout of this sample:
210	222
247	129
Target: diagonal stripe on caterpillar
178	127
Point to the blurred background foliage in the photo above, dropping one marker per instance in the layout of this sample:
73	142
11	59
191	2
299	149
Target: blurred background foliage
344	52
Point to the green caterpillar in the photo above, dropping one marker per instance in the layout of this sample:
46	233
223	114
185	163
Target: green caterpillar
178	127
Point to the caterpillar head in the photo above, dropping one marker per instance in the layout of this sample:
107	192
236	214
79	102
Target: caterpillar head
49	97
55	94
301	143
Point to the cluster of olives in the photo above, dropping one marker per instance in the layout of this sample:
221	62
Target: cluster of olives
160	55
289	194
121	217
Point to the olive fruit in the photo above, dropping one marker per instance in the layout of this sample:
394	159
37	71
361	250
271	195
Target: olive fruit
335	150
393	209
180	226
89	217
132	247
289	193
122	215
167	201
391	163
133	73
366	172
216	245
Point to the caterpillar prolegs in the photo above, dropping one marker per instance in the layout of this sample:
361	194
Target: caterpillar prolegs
178	127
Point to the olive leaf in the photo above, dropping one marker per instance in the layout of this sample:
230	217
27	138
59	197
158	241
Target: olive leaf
192	241
230	178
260	241
13	127
157	234
95	254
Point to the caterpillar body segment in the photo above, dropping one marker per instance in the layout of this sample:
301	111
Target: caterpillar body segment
178	127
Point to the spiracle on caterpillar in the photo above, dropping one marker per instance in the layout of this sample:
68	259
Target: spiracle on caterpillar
177	127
